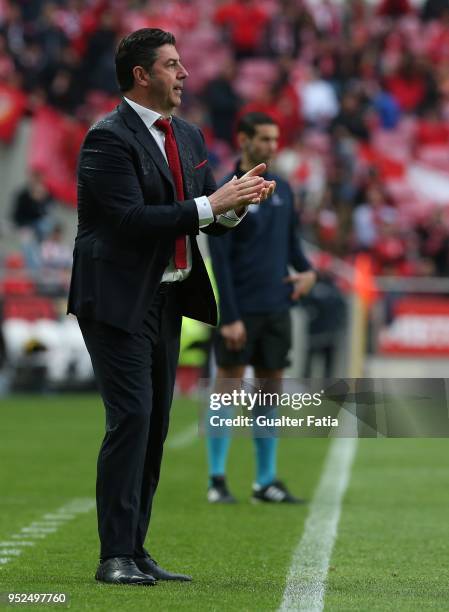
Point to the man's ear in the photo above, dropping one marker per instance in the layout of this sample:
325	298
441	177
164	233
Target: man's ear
141	76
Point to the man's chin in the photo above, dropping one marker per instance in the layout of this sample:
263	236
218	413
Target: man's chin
172	107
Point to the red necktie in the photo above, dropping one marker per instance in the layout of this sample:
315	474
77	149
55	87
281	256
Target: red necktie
171	150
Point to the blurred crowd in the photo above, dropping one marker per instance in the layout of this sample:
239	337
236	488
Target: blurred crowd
360	91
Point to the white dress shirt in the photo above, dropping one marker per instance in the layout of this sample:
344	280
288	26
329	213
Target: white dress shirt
205	214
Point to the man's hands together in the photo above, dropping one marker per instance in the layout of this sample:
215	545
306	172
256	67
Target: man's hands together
251	188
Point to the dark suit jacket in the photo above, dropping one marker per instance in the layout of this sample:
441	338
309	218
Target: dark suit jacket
128	219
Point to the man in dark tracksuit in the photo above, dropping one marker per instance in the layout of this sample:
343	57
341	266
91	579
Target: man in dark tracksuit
256	291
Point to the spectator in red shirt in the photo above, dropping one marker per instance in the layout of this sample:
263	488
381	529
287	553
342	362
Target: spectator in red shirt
389	250
432	129
287	104
244	21
409	84
438	45
393	8
280	102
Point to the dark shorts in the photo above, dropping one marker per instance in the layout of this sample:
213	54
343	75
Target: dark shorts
267	345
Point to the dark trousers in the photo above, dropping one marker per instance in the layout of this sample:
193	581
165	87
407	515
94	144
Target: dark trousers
136	376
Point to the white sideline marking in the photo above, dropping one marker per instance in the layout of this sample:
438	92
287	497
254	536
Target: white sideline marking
29	535
184	438
38	529
42	527
306	580
20	543
77	506
58	517
47	524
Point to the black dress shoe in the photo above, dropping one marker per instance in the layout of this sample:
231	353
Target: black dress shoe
123	570
147	565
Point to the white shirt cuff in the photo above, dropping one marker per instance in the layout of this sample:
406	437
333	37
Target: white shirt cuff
205	214
230	218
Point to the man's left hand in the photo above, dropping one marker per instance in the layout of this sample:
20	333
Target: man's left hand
302	283
267	191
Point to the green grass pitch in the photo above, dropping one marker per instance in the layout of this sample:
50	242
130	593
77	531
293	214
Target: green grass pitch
391	552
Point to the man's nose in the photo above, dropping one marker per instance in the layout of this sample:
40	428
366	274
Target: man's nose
185	74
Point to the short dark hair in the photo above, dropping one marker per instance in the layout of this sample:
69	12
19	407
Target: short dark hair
139	49
249	122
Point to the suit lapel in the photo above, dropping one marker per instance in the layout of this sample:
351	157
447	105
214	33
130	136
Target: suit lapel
142	134
185	156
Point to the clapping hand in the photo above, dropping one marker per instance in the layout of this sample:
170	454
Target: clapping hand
267	188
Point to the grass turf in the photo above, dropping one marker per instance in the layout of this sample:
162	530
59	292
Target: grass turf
391	553
237	555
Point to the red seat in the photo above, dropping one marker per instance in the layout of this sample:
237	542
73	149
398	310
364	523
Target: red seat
15	285
29	308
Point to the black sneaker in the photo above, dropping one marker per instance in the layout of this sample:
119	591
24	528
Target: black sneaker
276	492
218	492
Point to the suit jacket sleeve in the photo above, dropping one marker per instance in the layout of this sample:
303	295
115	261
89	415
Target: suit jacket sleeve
107	171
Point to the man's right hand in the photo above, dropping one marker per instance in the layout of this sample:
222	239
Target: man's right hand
234	335
236	193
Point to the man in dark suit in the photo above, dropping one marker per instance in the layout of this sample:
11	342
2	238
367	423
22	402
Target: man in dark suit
144	191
